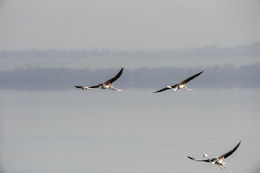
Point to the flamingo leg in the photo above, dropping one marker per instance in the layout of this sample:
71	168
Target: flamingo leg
116	89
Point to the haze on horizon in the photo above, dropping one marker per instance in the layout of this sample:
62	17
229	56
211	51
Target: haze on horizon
48	126
127	25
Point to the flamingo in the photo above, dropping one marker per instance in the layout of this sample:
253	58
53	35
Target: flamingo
181	85
217	160
105	85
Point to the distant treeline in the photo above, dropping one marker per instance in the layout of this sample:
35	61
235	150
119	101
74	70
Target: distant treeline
143	78
213	51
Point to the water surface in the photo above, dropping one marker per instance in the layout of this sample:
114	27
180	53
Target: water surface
131	132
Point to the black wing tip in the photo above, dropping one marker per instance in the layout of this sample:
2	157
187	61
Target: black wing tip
199	73
238	143
119	73
77	86
121	70
235	148
231	151
156	91
161	90
191	158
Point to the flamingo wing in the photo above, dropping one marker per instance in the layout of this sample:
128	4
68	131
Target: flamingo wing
197	159
95	86
166	88
230	152
110	81
161	90
77	86
190	78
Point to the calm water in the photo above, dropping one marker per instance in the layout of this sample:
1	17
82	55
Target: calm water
130	132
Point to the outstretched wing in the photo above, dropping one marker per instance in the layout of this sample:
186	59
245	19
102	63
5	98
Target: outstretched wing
161	90
166	88
190	78
77	86
86	87
197	159
95	86
110	81
230	152
174	86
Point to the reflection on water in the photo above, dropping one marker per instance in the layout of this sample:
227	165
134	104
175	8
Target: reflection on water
135	131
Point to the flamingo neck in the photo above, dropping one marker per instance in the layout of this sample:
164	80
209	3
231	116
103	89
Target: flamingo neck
205	155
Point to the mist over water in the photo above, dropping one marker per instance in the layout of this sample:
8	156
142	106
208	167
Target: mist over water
48	126
48	46
135	131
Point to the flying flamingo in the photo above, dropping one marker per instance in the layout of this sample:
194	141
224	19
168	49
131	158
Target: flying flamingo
217	160
181	85
104	85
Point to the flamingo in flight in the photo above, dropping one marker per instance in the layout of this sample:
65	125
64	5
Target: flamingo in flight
181	85
105	85
217	160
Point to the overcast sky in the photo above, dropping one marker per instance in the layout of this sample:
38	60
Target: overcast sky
127	25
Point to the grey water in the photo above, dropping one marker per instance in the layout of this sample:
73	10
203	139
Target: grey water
129	132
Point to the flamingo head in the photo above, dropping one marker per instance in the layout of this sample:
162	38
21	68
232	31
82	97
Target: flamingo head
205	155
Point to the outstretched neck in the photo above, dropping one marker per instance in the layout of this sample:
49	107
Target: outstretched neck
205	155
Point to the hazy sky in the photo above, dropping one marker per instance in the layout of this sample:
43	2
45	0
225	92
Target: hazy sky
127	25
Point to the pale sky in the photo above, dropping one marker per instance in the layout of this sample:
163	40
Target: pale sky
127	25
